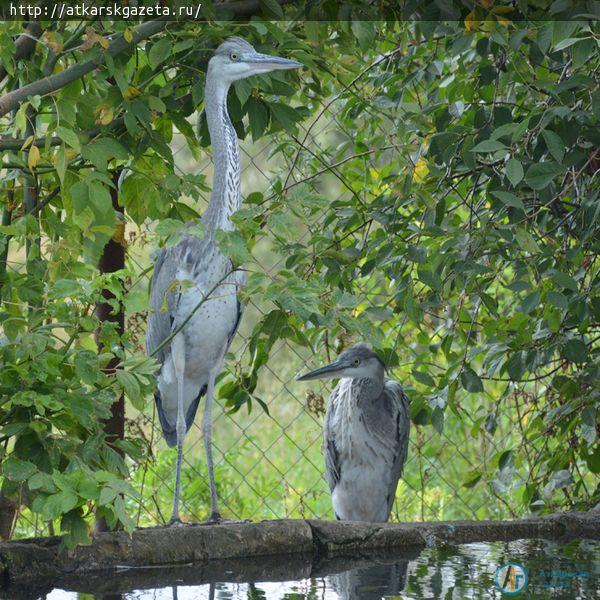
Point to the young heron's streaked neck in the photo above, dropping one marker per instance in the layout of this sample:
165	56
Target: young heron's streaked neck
372	382
225	198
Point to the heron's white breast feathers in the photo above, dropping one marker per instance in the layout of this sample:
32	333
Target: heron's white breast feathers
207	307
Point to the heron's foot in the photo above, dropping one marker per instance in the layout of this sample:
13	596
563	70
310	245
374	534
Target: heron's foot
176	522
216	519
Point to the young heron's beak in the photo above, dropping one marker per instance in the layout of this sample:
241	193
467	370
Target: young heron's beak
266	62
327	372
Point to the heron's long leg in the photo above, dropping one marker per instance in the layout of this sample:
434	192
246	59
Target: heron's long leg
207	434
178	357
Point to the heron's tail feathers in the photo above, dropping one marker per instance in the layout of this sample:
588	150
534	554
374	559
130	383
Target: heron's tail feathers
170	429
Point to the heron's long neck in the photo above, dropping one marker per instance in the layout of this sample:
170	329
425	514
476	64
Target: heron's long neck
226	196
370	387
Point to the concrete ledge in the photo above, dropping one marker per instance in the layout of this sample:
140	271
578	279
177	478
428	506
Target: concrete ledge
284	549
336	536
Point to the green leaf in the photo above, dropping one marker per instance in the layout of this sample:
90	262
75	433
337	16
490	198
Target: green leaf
100	151
233	245
530	302
575	351
489	146
285	115
588	425
514	171
87	366
139	197
471	381
593	461
59	504
509	199
540	176
159	52
506	458
282	224
437	419
75	528
17	470
526	241
107	495
555	144
566	43
562	29
364	31
65	288
471	479
431	279
131	387
41	481
557	299
156	104
565	281
61	162
271	9
258	116
423	377
69	137
515	367
94	196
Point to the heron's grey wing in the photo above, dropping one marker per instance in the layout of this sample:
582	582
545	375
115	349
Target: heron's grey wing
332	457
240	280
163	303
397	403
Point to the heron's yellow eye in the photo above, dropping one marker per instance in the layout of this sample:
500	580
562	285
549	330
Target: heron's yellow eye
233	56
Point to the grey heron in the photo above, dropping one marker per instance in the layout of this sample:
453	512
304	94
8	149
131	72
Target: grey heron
365	435
194	306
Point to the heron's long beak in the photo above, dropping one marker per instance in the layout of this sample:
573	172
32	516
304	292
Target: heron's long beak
327	372
266	62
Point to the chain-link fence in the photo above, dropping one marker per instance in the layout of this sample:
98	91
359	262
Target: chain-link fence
271	465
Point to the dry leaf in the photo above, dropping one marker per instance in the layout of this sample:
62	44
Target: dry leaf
33	158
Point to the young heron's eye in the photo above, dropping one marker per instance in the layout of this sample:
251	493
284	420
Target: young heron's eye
233	56
357	361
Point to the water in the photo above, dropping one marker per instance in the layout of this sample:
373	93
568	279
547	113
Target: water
554	570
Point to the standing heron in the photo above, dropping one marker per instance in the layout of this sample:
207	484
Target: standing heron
191	326
365	435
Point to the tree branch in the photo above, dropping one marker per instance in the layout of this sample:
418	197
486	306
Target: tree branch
8	143
24	45
55	82
50	84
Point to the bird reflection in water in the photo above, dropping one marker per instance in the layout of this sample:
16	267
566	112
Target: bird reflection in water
370	583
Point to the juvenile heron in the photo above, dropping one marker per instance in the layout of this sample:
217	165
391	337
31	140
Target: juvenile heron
191	326
371	582
365	435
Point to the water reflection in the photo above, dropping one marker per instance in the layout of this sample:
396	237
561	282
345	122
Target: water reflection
370	583
556	570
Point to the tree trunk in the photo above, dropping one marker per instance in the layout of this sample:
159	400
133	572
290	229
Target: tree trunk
8	511
112	260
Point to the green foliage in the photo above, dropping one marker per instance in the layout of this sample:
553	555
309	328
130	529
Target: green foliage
451	219
466	242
